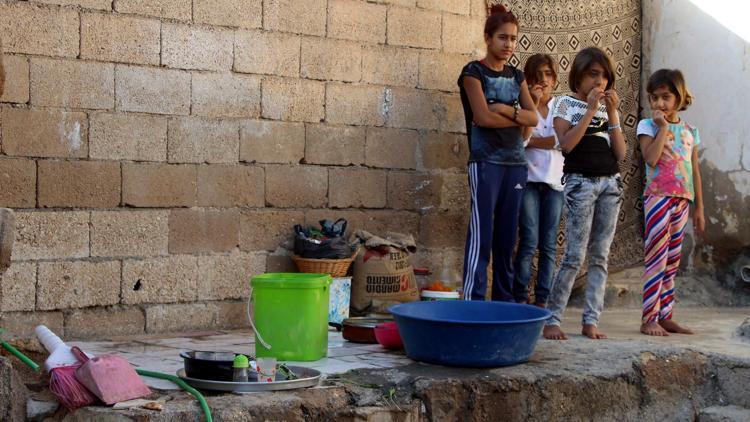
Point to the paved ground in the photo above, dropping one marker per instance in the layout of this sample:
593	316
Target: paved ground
716	332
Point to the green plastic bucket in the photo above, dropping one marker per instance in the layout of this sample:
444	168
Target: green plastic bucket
291	315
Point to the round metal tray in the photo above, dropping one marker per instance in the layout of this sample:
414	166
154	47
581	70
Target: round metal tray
307	378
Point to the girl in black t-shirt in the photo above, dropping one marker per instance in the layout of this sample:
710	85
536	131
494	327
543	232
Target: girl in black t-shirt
588	128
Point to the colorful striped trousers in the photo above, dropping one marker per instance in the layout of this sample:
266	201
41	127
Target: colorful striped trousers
666	218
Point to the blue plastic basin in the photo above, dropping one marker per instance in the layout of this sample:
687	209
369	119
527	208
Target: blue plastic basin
469	333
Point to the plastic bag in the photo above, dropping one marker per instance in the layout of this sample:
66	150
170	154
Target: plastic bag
329	242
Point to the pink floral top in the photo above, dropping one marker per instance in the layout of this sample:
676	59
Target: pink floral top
673	174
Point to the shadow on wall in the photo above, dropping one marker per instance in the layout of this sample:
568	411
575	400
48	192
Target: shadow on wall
678	34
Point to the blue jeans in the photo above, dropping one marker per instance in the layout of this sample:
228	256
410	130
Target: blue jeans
538	223
592	205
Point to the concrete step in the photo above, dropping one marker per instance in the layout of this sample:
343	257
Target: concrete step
625	290
724	414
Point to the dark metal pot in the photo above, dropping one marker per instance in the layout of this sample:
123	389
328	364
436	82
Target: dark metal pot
216	366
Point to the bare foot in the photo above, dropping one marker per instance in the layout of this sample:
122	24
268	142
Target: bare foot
674	327
553	332
590	331
653	329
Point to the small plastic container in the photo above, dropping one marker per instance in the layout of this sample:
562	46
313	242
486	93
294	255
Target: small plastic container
388	336
240	368
266	369
431	295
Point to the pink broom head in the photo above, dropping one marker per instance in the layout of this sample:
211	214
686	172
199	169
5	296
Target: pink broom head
68	390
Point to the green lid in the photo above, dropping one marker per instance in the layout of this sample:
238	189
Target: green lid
291	280
240	361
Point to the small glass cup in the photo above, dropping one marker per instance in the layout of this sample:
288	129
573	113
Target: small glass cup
266	369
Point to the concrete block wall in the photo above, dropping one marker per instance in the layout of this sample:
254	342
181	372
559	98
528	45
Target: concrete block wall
158	153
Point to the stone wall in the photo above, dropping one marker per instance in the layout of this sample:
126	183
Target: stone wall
157	153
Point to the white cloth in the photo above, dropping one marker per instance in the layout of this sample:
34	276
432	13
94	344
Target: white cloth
545	165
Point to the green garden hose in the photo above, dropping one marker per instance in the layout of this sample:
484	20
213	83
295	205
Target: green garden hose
25	359
183	385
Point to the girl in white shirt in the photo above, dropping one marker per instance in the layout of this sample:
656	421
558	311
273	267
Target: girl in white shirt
542	201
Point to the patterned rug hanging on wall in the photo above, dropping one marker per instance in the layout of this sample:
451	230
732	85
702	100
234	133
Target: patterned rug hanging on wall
562	28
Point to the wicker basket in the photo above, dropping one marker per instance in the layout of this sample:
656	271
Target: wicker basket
334	267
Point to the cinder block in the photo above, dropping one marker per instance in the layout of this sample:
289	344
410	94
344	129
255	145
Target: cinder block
84	4
16	79
392	148
440	71
159	185
160	280
413	109
231	315
44	133
280	263
118	38
201	231
171	9
72	83
455	196
149	90
33	29
198	140
79	184
7	237
414	27
380	222
241	13
461	7
308	17
404	3
128	136
296	186
267	230
442	150
231	186
390	66
228	276
181	317
268	141
450	113
414	191
129	233
78	284
18	181
443	229
191	47
51	235
109	322
226	95
349	104
326	59
479	8
20	325
18	287
267	53
293	99
357	188
464	35
356	20
334	145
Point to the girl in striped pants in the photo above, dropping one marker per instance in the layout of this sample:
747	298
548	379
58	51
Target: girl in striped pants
673	181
